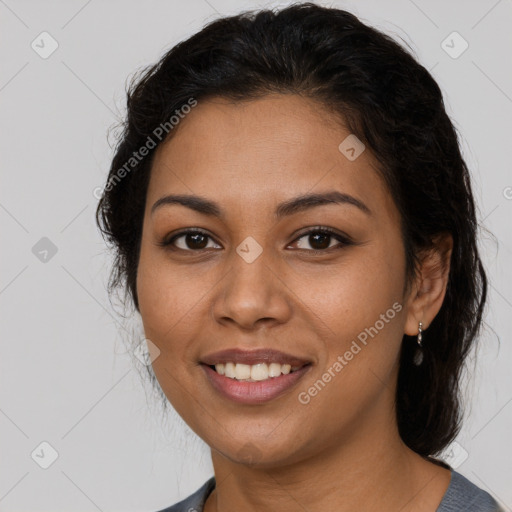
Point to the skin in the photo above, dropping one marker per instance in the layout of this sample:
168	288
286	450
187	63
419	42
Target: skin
341	451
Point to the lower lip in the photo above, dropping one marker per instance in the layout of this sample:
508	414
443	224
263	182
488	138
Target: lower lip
253	392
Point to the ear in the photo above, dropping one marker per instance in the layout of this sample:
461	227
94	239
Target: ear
427	292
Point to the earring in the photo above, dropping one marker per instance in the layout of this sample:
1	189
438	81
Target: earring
418	355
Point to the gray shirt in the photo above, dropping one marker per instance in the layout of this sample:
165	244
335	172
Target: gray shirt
461	496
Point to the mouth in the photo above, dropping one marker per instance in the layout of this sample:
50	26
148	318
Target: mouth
253	377
255	372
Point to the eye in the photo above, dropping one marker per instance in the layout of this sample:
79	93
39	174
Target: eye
321	239
190	240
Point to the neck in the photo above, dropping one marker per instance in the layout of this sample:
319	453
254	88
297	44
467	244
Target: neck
371	470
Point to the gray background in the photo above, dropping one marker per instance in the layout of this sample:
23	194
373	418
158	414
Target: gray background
66	375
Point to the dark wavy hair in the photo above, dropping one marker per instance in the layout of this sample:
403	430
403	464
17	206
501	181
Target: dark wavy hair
385	97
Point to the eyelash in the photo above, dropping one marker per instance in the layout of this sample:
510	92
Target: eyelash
343	239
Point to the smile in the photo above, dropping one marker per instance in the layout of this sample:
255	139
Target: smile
255	372
253	376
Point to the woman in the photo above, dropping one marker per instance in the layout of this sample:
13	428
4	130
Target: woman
294	222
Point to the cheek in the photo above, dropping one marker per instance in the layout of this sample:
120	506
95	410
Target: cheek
360	368
361	304
167	300
353	295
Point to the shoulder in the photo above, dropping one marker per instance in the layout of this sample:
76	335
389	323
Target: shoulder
463	495
195	502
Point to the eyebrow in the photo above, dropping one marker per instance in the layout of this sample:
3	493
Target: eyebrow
289	207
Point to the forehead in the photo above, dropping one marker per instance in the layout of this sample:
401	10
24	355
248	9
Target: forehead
262	151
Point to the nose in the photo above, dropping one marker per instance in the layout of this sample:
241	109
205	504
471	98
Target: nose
252	295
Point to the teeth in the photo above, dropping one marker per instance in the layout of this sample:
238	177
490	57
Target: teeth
274	370
229	370
242	371
255	372
259	371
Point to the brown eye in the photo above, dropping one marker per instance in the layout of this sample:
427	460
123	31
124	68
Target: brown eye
196	241
191	241
320	240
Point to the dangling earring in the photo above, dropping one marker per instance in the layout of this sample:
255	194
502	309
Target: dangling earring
418	355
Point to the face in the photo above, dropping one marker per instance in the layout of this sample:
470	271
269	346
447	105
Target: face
260	273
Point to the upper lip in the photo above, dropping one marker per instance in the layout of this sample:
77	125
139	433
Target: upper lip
250	357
